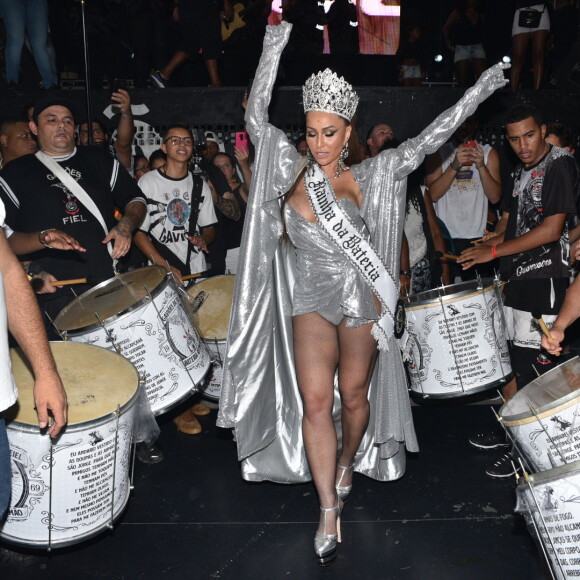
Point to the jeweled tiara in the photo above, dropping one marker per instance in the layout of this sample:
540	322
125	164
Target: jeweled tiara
325	91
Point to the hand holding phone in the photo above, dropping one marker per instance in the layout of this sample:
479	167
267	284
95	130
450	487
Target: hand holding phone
242	140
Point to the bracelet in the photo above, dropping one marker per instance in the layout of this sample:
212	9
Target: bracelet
407	273
494	252
454	166
40	237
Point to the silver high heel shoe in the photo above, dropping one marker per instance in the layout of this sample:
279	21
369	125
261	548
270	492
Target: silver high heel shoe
343	491
325	544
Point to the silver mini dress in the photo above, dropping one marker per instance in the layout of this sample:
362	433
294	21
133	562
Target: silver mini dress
326	282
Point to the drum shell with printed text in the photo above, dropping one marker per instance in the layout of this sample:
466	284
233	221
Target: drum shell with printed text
143	315
550	503
543	418
87	487
458	340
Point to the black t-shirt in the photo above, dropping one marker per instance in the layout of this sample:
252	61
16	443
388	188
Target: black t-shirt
538	278
36	200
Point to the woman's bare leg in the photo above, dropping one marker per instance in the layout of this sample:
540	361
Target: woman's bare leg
520	45
358	353
316	359
539	39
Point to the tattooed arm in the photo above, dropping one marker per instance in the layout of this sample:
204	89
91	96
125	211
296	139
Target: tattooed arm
122	232
226	203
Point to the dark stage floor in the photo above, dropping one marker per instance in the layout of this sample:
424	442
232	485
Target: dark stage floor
192	516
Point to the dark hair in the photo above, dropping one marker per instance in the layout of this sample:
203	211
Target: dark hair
10	122
563	132
232	160
157	154
522	112
137	157
176	126
299	139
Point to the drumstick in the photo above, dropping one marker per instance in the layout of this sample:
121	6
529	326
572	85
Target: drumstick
69	282
543	327
446	256
191	276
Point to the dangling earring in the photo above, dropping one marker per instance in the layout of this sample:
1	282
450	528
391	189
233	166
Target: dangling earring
341	165
310	157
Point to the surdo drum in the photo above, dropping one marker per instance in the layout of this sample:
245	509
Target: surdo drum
550	502
213	305
458	340
69	490
141	315
543	419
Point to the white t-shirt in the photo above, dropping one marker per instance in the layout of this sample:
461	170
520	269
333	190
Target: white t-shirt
167	219
463	209
8	392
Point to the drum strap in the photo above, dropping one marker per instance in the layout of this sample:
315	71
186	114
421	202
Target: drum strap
74	187
354	246
196	199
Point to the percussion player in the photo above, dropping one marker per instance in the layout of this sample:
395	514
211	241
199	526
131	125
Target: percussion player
533	250
19	311
179	225
36	200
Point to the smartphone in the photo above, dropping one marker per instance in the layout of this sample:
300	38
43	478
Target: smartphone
115	106
471	143
242	140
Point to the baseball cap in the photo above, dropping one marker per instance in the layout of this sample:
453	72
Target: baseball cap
51	100
211	136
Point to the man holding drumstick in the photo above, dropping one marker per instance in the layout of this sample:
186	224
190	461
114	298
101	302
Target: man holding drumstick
533	251
19	311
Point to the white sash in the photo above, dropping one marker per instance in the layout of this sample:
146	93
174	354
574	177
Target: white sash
352	244
74	187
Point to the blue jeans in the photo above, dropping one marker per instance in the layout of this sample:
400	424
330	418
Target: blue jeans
5	470
21	18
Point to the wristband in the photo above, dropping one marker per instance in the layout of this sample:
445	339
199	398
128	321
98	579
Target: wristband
455	165
494	252
407	273
40	237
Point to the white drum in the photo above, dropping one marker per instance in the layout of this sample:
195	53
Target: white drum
74	488
140	313
550	502
213	318
458	340
544	418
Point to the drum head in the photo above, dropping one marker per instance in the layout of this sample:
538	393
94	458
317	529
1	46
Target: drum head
560	386
96	381
112	297
447	293
214	313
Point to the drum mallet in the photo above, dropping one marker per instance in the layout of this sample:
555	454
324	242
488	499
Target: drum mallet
69	282
538	318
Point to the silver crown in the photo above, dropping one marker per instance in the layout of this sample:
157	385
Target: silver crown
325	91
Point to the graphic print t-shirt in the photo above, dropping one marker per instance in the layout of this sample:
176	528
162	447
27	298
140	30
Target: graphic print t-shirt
538	278
36	200
169	211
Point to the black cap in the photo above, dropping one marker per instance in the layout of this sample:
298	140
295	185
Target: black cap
51	100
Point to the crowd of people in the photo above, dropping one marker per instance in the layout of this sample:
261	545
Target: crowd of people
78	205
148	42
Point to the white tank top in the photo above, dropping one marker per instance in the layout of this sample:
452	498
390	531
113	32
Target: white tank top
463	209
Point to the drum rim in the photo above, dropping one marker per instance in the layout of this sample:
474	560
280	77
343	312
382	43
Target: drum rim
460	393
528	417
550	474
411	304
167	279
22	427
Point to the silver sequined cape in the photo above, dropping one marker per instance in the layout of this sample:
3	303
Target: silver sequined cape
260	397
